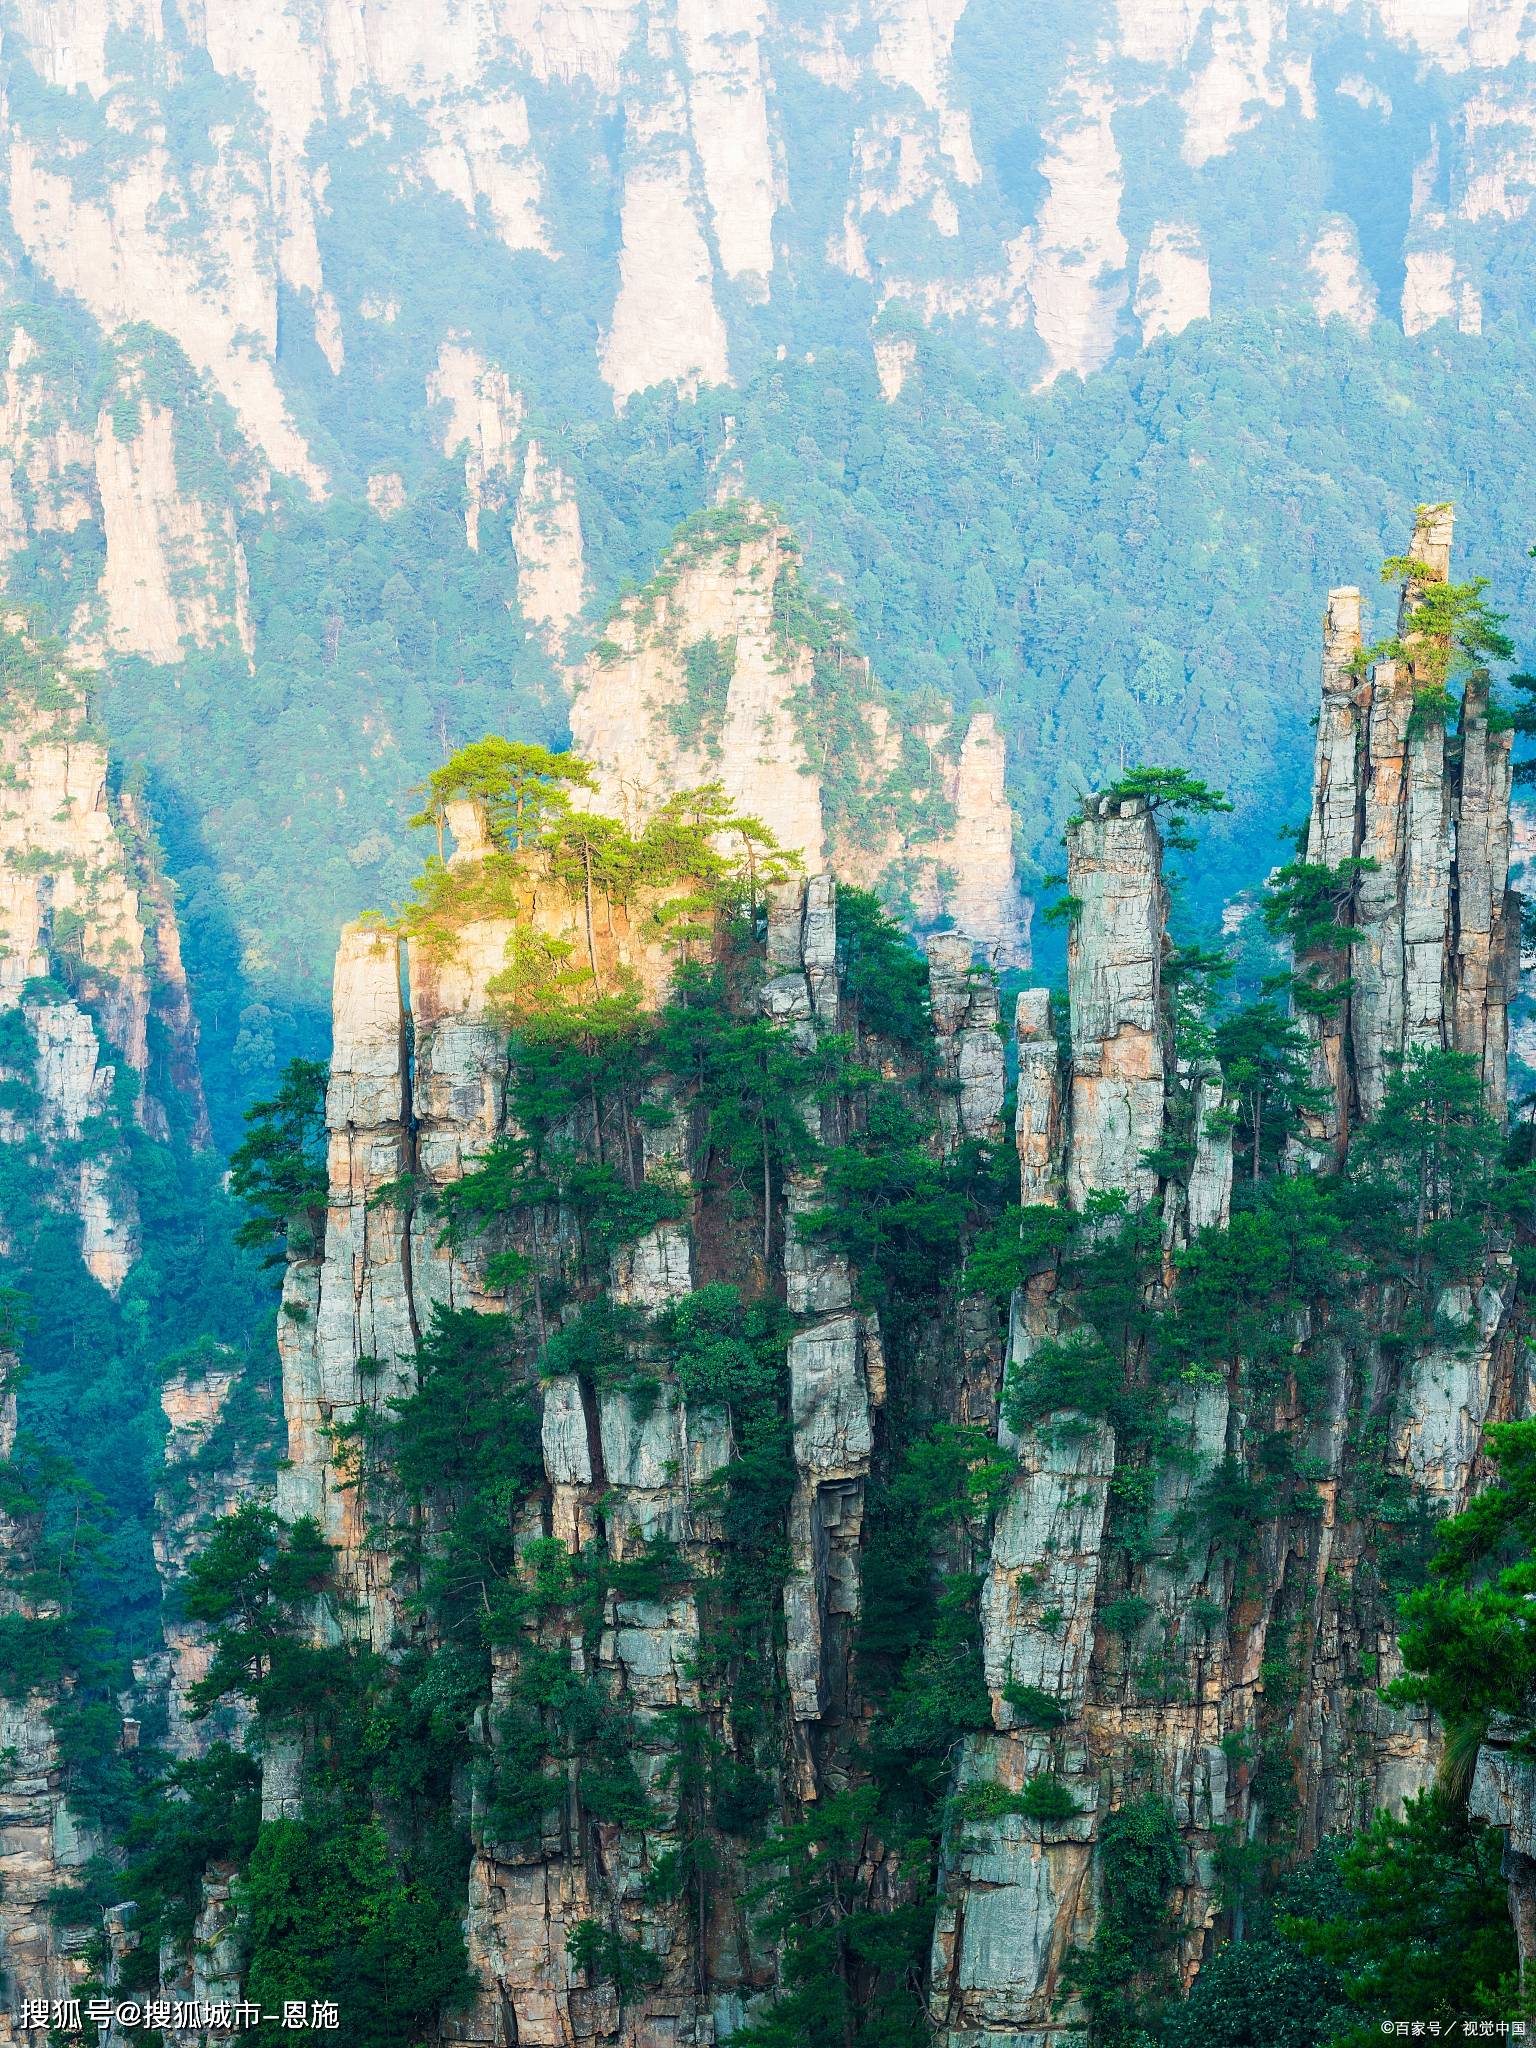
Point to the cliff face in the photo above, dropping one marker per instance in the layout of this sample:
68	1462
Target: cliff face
122	474
43	1844
220	1444
712	673
99	1060
1436	959
623	1470
1178	1669
483	421
926	206
91	955
1169	1576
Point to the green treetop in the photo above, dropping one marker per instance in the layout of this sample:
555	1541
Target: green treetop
523	789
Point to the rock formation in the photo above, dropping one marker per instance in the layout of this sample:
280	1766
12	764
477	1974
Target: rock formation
1434	926
90	955
219	1449
43	1844
1161	1676
701	124
704	676
619	1471
96	1031
1137	1655
132	459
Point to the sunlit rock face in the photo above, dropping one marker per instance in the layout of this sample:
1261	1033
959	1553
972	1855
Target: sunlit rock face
1056	232
699	678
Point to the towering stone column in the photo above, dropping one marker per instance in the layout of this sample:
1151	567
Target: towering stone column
965	1019
1485	955
1333	837
352	1331
1037	1127
1376	959
835	1362
1114	980
1436	942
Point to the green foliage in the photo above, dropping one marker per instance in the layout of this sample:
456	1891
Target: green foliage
278	1169
1266	1989
204	1810
37	677
555	1716
1175	790
1306	903
1240	1290
898	1211
331	1914
598	1344
1428	1183
1468	1636
1091	1368
944	1475
1032	1707
884	978
448	1468
751	1081
1140	1864
56	1648
1448	631
1018	1245
1424	1927
1042	1798
522	789
838	1987
1264	1062
609	1957
254	1584
697	718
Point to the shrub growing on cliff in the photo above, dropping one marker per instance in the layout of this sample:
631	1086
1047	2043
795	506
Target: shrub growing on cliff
254	1584
1427	1172
206	1809
278	1169
447	1467
846	1980
1424	1927
1141	1862
885	980
331	1914
1266	1990
1469	1636
522	789
1175	790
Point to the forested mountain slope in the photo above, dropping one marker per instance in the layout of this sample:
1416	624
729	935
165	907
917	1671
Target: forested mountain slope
319	320
786	1536
789	1497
